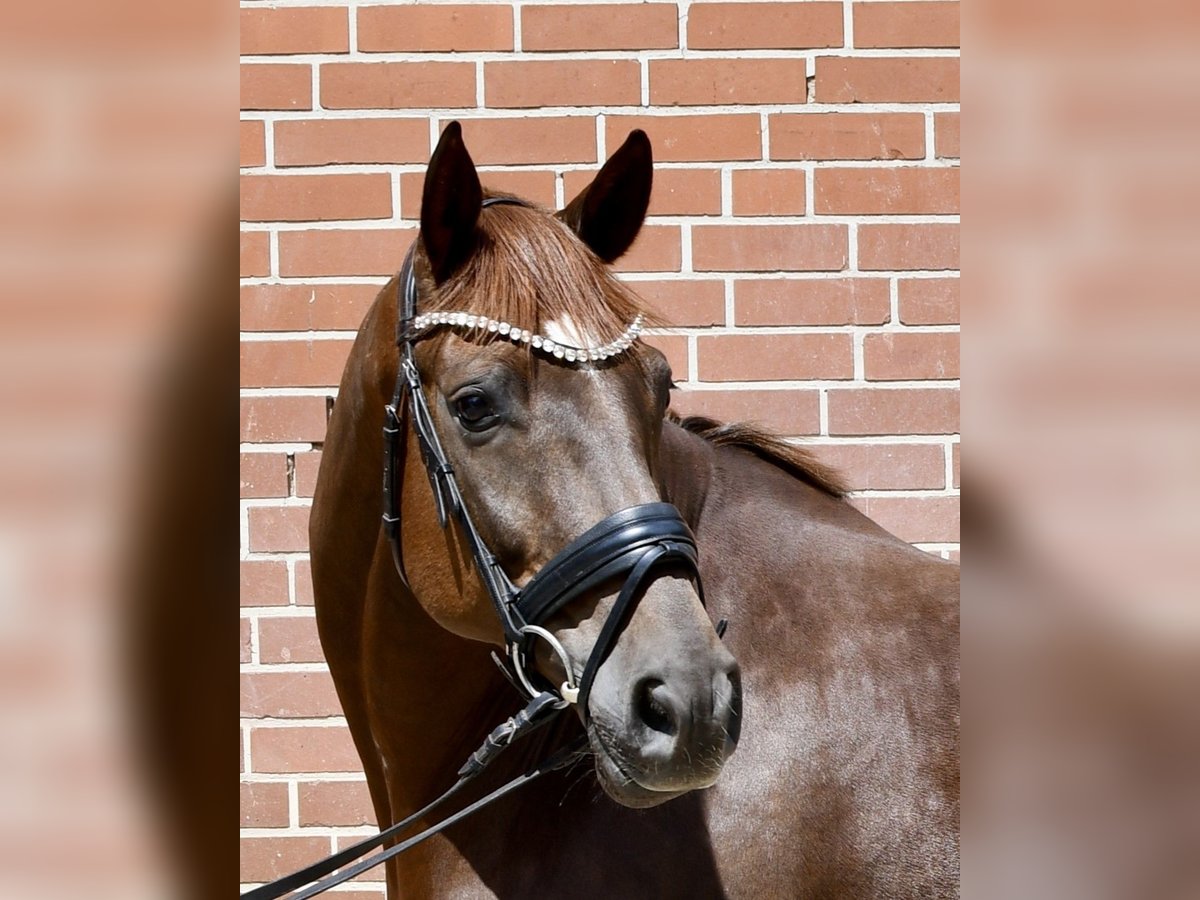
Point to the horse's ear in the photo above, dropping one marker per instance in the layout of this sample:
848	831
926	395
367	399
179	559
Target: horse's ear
608	213
450	204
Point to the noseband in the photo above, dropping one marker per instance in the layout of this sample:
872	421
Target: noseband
632	545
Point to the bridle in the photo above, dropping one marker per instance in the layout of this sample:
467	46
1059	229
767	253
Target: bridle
635	544
630	544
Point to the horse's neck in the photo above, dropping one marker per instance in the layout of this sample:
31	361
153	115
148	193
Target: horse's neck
769	538
713	485
818	597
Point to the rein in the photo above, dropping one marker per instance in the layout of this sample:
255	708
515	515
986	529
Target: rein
631	544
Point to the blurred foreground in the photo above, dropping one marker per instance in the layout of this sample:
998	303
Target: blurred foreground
117	565
1081	588
117	299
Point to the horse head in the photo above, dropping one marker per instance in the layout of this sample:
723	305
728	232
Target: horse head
545	442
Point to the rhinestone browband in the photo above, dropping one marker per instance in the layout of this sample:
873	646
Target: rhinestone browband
517	335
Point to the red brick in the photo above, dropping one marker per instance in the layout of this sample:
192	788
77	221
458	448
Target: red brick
600	26
677	192
685	304
908	190
289	640
317	142
674	347
846	79
774	357
897	411
902	246
303	749
252	135
278	529
922	24
264	804
945	135
263	582
288	695
255	253
657	249
245	650
531	184
587	82
752	26
768	192
305	307
276	86
304	588
955	463
306	472
308	198
847	136
887	467
305	29
790	412
435	28
338	252
298	363
397	85
897	356
767	248
268	858
812	301
274	419
293	307
703	138
263	475
534	139
335	803
698	82
914	519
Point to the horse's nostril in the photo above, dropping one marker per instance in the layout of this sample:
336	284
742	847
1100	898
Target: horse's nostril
654	707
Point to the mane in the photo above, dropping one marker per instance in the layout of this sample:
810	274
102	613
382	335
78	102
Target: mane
530	268
796	461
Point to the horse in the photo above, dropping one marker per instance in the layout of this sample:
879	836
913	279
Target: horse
812	752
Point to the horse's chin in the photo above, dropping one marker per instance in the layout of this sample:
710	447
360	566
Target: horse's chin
621	784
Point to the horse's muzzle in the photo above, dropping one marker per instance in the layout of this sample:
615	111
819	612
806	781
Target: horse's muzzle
679	724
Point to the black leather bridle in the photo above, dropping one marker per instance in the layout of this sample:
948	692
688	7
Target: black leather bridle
633	546
630	545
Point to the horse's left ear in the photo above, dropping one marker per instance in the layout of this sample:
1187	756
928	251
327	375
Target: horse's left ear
608	213
450	205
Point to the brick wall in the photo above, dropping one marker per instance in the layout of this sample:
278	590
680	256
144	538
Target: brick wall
803	237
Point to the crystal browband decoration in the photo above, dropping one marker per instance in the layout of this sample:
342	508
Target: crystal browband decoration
557	349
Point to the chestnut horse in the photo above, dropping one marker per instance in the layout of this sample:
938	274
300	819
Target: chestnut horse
842	702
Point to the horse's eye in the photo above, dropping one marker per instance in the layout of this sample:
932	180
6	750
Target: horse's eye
474	411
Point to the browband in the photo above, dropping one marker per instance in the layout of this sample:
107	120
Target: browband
559	350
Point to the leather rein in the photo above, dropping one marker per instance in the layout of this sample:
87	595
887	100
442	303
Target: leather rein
636	544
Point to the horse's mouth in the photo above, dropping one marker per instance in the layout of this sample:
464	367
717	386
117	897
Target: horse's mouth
618	780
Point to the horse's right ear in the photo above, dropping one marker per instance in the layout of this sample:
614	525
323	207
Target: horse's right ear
450	205
607	215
